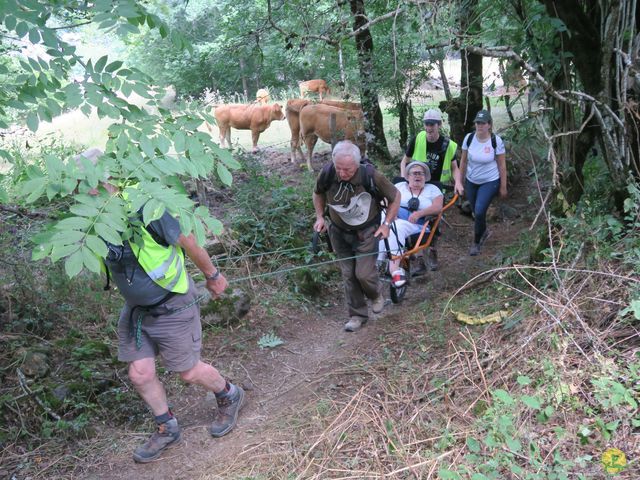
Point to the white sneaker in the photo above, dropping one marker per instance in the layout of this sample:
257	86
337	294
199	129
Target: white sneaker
399	278
377	305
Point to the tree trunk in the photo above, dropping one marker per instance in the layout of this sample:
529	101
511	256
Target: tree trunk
403	125
343	75
597	36
245	85
376	141
445	82
462	109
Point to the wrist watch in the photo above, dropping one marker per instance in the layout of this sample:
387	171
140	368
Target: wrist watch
214	276
388	224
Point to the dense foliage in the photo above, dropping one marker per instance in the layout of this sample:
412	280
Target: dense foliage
148	148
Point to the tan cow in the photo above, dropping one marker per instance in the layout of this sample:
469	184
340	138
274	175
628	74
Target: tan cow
330	124
293	118
262	96
254	117
318	85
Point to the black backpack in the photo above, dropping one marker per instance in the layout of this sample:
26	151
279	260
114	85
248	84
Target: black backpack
494	142
367	172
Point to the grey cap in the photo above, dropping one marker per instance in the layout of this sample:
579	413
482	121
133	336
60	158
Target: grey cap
432	115
423	165
483	116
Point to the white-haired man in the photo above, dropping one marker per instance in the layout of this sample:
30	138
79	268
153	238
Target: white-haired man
353	192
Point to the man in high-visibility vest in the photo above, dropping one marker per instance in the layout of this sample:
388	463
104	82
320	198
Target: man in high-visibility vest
161	317
439	152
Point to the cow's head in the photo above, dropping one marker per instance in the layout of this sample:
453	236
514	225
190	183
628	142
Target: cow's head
276	112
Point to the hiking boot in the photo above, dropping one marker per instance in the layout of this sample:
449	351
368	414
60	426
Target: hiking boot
377	305
485	236
419	270
399	278
474	250
432	259
168	434
227	414
354	324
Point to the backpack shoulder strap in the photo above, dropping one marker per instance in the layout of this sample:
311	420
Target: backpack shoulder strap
445	145
327	174
470	139
494	142
369	181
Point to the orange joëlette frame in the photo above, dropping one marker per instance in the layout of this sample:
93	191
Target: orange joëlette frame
419	247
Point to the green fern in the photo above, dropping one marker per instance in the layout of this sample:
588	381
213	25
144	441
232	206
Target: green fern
270	340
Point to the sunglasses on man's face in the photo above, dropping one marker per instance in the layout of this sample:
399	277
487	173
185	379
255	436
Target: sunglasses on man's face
430	124
417	174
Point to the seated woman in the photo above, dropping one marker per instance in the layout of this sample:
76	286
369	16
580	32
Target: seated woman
419	200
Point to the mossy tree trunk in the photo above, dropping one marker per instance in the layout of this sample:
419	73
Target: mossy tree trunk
376	141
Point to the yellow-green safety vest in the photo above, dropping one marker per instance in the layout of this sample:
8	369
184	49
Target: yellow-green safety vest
420	155
164	265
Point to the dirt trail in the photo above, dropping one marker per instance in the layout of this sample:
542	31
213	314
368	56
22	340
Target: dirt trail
281	381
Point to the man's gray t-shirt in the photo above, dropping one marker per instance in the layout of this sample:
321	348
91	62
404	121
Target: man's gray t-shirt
134	284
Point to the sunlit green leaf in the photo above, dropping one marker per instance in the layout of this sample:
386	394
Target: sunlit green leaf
73	264
107	233
473	445
113	66
10	22
61	251
503	396
34	188
90	260
224	174
152	210
99	65
41	251
34	35
32	121
214	225
84	210
147	146
96	245
531	402
74	223
199	232
179	140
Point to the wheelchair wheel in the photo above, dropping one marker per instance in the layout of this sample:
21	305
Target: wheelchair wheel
397	293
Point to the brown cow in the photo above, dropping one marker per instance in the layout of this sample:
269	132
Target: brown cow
343	104
317	85
330	124
293	117
254	117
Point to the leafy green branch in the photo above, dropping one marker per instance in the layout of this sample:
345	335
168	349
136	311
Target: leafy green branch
149	148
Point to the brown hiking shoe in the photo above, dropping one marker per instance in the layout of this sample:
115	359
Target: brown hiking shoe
168	434
227	413
377	305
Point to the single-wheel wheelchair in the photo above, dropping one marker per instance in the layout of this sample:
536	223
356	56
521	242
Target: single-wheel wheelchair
414	244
